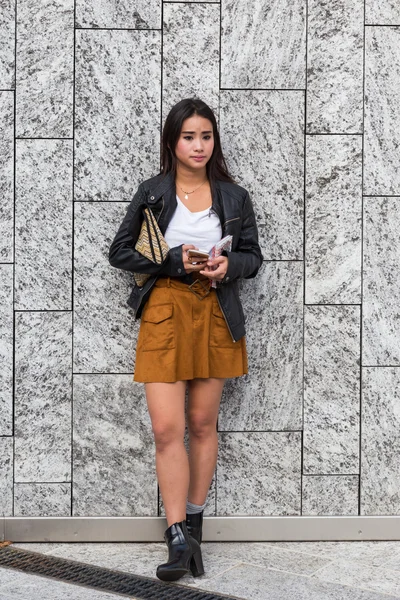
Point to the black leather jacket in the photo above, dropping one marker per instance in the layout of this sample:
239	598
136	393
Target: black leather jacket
232	204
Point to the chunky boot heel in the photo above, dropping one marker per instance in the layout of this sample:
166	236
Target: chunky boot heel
194	525
196	564
180	551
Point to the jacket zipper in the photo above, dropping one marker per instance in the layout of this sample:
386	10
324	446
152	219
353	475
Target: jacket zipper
162	208
226	320
229	220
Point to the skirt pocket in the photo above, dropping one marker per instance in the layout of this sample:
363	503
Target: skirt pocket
158	327
219	332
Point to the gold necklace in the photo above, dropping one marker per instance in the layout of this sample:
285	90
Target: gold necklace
186	193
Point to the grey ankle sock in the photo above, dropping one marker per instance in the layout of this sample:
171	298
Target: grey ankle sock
192	509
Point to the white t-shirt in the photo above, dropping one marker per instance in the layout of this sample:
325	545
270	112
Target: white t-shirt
201	228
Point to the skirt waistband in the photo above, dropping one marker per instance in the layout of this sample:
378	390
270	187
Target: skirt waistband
199	287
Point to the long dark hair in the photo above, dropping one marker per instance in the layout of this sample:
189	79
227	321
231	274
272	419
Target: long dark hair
216	167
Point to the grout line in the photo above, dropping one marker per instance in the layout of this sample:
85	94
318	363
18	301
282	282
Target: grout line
362	279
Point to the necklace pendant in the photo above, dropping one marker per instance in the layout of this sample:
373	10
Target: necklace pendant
186	197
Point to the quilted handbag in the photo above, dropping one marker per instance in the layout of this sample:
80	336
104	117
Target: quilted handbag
151	244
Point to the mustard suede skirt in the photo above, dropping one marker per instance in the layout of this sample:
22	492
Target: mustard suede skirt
184	335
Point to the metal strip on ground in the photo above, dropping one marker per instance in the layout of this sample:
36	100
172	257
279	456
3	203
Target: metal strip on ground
99	578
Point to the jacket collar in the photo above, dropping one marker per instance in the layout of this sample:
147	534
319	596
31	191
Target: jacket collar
161	186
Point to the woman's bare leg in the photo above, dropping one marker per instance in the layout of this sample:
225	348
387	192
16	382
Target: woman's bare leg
203	406
166	404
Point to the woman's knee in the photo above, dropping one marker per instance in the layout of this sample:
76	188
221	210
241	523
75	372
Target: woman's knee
166	434
201	425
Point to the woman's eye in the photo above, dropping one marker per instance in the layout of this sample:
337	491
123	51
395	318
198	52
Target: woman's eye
186	137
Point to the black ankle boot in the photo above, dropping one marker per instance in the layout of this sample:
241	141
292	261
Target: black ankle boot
184	554
194	525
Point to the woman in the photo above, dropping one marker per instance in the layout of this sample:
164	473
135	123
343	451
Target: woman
191	333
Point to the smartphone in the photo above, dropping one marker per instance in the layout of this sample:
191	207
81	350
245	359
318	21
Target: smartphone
197	253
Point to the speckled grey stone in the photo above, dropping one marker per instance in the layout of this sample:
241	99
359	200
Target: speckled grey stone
381	284
259	473
132	14
331	390
262	135
335	66
6	349
142	558
43	222
380	442
333	219
382	111
382	12
6	176
191	53
113	449
330	495
43	388
6	476
7	45
117	95
45	68
257	583
105	329
270	396
42	500
263	44
376	579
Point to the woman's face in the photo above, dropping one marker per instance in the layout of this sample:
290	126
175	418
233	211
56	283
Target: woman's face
196	140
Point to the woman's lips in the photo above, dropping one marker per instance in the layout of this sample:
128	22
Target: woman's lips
198	157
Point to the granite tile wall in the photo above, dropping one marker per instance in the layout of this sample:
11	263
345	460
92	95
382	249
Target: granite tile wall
306	97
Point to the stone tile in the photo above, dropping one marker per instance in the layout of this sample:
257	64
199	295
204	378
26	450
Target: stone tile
43	397
382	111
263	45
43	225
6	349
6	476
42	500
271	126
380	443
257	583
113	448
136	14
330	495
7	45
191	53
117	95
142	559
45	69
333	219
270	396
376	579
335	43
373	553
6	174
332	390
382	12
105	329
14	584
259	473
381	298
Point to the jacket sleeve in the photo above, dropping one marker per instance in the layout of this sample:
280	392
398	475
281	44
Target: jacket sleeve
122	253
247	259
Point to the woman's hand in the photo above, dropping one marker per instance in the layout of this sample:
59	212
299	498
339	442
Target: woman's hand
188	261
220	271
